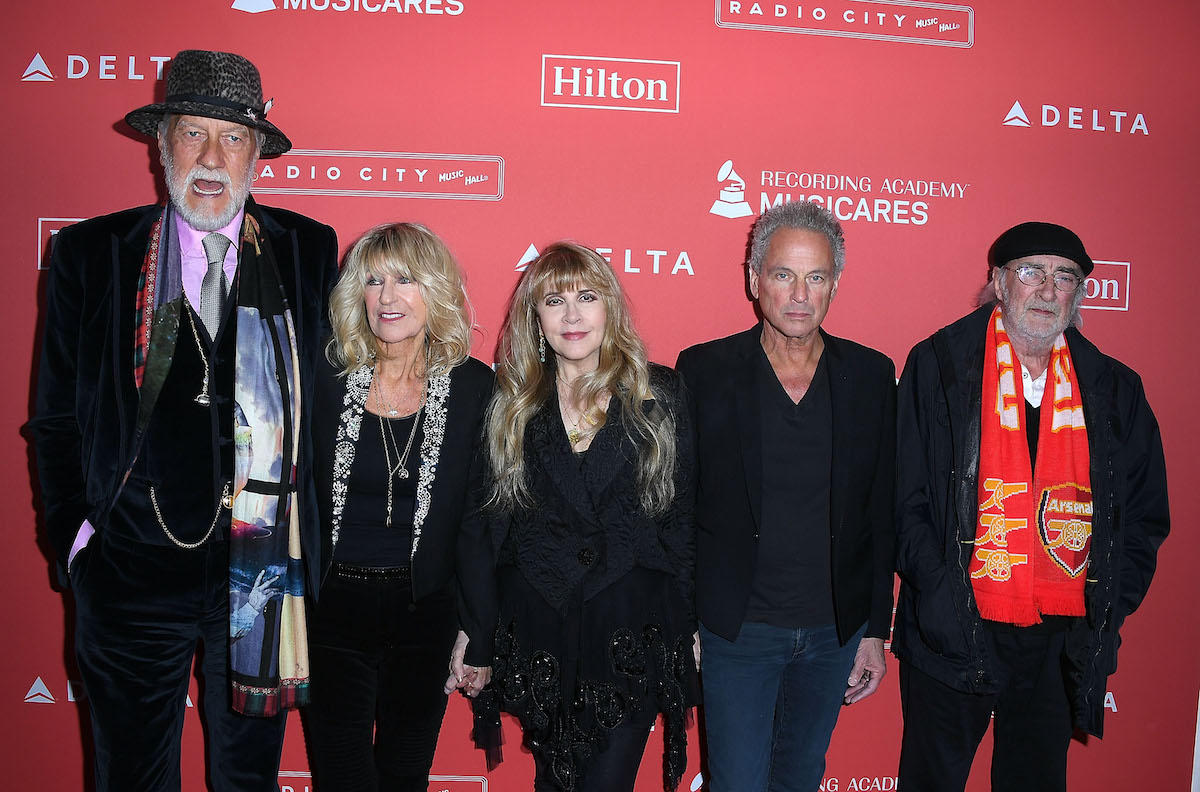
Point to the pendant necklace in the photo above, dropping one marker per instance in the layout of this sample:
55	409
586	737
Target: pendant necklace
400	470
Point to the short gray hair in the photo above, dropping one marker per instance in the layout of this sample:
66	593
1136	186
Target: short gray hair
803	216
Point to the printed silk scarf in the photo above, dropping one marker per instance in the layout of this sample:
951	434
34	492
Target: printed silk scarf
1033	538
268	640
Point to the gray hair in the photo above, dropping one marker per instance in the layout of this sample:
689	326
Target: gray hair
803	216
987	296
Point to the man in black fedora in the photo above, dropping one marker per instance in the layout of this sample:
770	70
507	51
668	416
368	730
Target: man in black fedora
173	446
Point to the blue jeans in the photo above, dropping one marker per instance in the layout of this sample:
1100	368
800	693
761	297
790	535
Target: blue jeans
771	700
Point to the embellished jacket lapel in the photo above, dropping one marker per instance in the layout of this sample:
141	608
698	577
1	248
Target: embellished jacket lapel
433	429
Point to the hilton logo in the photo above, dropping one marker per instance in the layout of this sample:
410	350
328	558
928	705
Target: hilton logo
648	86
1107	288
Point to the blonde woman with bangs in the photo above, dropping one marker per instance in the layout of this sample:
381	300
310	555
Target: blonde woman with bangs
591	517
397	426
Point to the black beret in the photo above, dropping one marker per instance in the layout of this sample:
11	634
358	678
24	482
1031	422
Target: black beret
1033	239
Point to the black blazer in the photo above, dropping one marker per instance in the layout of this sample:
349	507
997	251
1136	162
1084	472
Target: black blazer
86	404
723	388
442	550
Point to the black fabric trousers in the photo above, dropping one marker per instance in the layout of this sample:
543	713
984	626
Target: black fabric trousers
140	611
1031	729
613	768
379	662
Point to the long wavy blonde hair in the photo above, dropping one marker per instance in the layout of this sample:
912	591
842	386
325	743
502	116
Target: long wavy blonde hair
412	251
524	384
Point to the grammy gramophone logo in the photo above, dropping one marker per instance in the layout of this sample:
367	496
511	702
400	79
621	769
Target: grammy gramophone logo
732	200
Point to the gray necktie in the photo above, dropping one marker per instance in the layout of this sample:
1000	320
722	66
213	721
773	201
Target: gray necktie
214	287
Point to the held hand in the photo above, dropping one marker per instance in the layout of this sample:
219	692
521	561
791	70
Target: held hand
696	648
476	679
867	673
458	671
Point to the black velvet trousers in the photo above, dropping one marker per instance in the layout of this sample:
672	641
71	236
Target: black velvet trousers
379	662
140	611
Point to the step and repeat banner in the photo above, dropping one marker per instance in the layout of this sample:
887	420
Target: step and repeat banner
655	132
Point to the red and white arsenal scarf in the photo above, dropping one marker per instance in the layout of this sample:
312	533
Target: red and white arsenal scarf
1033	538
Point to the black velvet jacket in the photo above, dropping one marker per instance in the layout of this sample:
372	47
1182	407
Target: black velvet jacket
588	528
723	386
442	553
87	403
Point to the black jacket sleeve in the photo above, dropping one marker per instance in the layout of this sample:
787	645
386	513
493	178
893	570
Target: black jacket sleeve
56	432
881	513
475	560
677	531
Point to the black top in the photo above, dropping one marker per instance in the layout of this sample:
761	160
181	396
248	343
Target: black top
365	539
792	586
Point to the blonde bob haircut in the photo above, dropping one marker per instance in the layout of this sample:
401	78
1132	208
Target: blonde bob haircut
403	250
524	384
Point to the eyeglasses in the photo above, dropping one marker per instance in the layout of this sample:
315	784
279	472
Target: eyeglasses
1036	276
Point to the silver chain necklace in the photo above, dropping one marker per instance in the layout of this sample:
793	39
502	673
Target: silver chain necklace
401	469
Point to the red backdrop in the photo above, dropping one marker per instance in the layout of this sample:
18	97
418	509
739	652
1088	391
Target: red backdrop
928	127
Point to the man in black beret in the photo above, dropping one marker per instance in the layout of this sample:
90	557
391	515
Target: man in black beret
172	443
1031	502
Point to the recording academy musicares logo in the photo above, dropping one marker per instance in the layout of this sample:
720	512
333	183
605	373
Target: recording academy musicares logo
423	7
602	83
1081	118
631	260
917	22
382	174
301	781
97	66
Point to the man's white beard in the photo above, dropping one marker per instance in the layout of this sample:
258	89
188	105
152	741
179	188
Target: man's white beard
179	187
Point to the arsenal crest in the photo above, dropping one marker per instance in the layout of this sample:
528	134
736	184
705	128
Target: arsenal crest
1064	519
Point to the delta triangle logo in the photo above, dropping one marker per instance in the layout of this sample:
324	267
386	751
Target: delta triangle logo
530	254
39	693
37	70
1016	116
254	6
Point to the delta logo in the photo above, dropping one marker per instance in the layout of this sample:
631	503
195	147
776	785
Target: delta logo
98	67
1081	118
601	83
424	7
39	692
630	260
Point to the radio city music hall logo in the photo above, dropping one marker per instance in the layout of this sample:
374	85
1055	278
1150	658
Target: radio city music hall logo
98	67
937	24
382	174
648	86
1082	118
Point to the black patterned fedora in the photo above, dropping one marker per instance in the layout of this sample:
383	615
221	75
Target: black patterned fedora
214	85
